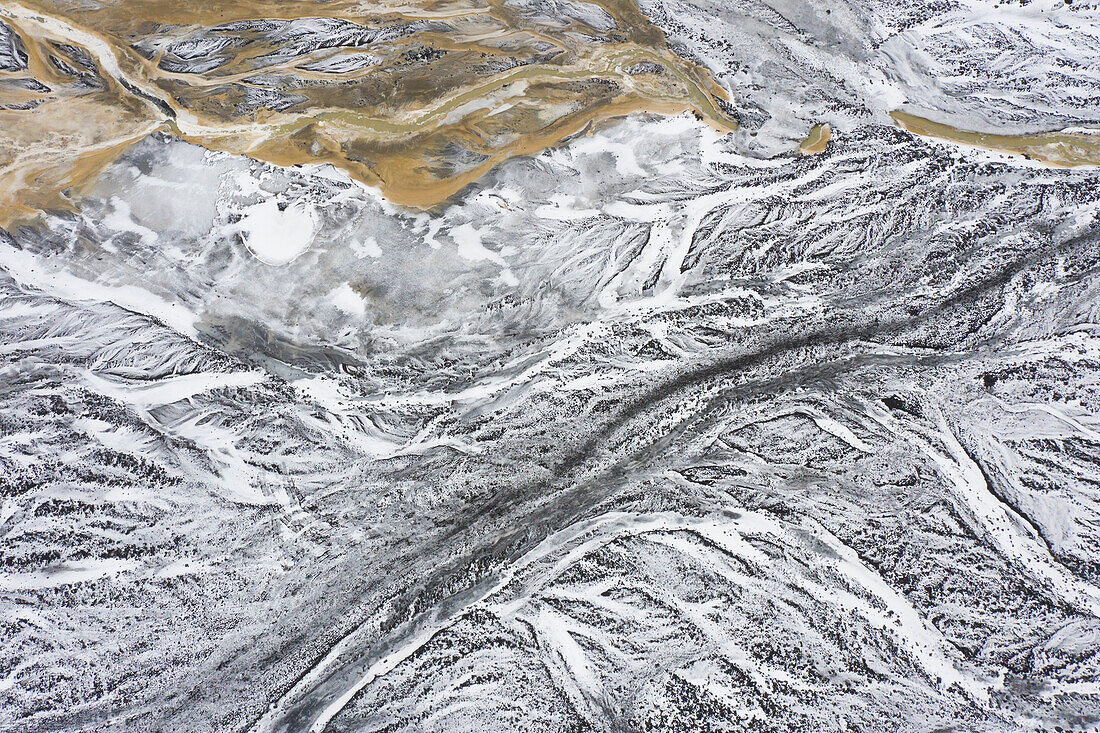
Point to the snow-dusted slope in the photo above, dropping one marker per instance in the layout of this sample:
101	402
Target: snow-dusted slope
988	65
660	429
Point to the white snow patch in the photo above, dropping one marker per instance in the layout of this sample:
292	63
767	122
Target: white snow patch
347	300
170	389
65	574
121	219
367	248
29	270
277	236
470	248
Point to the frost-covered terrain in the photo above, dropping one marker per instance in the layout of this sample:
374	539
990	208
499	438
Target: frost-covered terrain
662	428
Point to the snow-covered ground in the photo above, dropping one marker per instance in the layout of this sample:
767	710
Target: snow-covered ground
659	430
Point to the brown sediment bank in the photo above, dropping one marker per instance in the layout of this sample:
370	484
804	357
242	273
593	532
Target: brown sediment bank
418	98
1061	149
816	141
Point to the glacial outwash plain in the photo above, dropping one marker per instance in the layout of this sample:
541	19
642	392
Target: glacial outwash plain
494	366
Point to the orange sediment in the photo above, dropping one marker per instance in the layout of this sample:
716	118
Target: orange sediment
418	98
816	141
1060	149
